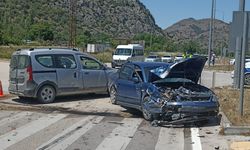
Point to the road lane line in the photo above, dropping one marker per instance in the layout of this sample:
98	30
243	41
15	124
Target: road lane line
68	132
170	138
196	141
14	118
29	129
121	135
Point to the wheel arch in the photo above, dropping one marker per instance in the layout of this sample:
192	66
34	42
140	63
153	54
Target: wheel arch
47	83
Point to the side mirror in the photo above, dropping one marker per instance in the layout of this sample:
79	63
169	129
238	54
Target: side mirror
135	80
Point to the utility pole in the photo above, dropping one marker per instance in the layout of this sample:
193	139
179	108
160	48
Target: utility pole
211	33
242	5
243	53
72	23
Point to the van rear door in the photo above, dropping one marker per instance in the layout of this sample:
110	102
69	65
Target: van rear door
18	76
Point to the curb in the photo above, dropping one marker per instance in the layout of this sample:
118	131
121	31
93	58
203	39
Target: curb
228	129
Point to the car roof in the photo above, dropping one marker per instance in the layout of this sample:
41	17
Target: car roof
48	51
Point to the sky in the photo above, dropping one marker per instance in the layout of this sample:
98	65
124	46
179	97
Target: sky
168	12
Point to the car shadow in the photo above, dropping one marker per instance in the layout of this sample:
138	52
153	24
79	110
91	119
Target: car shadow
60	99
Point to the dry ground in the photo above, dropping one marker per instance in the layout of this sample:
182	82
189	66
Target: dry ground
229	104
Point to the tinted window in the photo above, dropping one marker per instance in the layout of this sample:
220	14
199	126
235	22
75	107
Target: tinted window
126	73
65	61
152	56
45	60
88	63
19	61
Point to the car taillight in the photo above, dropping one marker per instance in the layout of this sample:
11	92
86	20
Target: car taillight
29	71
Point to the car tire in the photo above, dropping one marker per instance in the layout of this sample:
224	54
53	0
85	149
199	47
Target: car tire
112	95
46	94
247	79
147	115
112	65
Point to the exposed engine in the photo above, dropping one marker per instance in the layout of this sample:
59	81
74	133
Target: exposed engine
189	93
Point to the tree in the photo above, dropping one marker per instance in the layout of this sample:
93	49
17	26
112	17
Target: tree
152	42
41	31
190	46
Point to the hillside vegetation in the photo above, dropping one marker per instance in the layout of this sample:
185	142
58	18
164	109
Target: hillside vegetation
48	20
46	23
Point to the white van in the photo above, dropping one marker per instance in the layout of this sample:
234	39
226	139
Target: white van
124	53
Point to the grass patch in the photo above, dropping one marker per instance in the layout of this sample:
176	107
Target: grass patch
229	104
104	57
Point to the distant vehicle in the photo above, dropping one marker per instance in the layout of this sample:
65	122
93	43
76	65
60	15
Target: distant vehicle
152	58
232	61
47	73
178	58
167	59
166	92
247	73
124	53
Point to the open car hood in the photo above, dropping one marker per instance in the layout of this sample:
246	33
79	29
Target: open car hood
190	68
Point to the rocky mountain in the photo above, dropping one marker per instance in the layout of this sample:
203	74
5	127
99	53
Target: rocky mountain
198	30
116	18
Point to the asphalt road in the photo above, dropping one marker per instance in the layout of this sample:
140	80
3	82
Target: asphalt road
91	122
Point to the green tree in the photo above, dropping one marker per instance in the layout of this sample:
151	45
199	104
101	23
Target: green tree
41	31
152	42
190	46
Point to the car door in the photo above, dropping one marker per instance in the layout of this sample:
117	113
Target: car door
94	75
128	90
68	75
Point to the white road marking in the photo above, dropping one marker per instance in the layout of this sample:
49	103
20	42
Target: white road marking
75	132
29	129
196	141
14	118
170	138
121	135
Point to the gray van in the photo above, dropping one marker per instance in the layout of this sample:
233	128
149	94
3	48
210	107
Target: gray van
47	73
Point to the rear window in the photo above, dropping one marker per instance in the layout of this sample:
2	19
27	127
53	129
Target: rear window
19	61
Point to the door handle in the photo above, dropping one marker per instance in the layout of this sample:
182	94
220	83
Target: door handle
86	73
74	74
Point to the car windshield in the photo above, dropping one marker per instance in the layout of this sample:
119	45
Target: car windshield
123	51
152	72
152	56
157	74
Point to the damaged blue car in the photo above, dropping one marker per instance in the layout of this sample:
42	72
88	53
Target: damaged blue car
168	93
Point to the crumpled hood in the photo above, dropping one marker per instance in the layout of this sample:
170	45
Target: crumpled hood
190	68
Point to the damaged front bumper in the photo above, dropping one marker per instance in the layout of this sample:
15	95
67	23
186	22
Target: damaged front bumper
183	112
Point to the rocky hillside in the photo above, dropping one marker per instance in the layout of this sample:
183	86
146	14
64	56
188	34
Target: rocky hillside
198	30
116	18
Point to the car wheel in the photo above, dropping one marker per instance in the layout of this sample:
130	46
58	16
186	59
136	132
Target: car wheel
112	65
147	115
247	79
112	95
46	94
